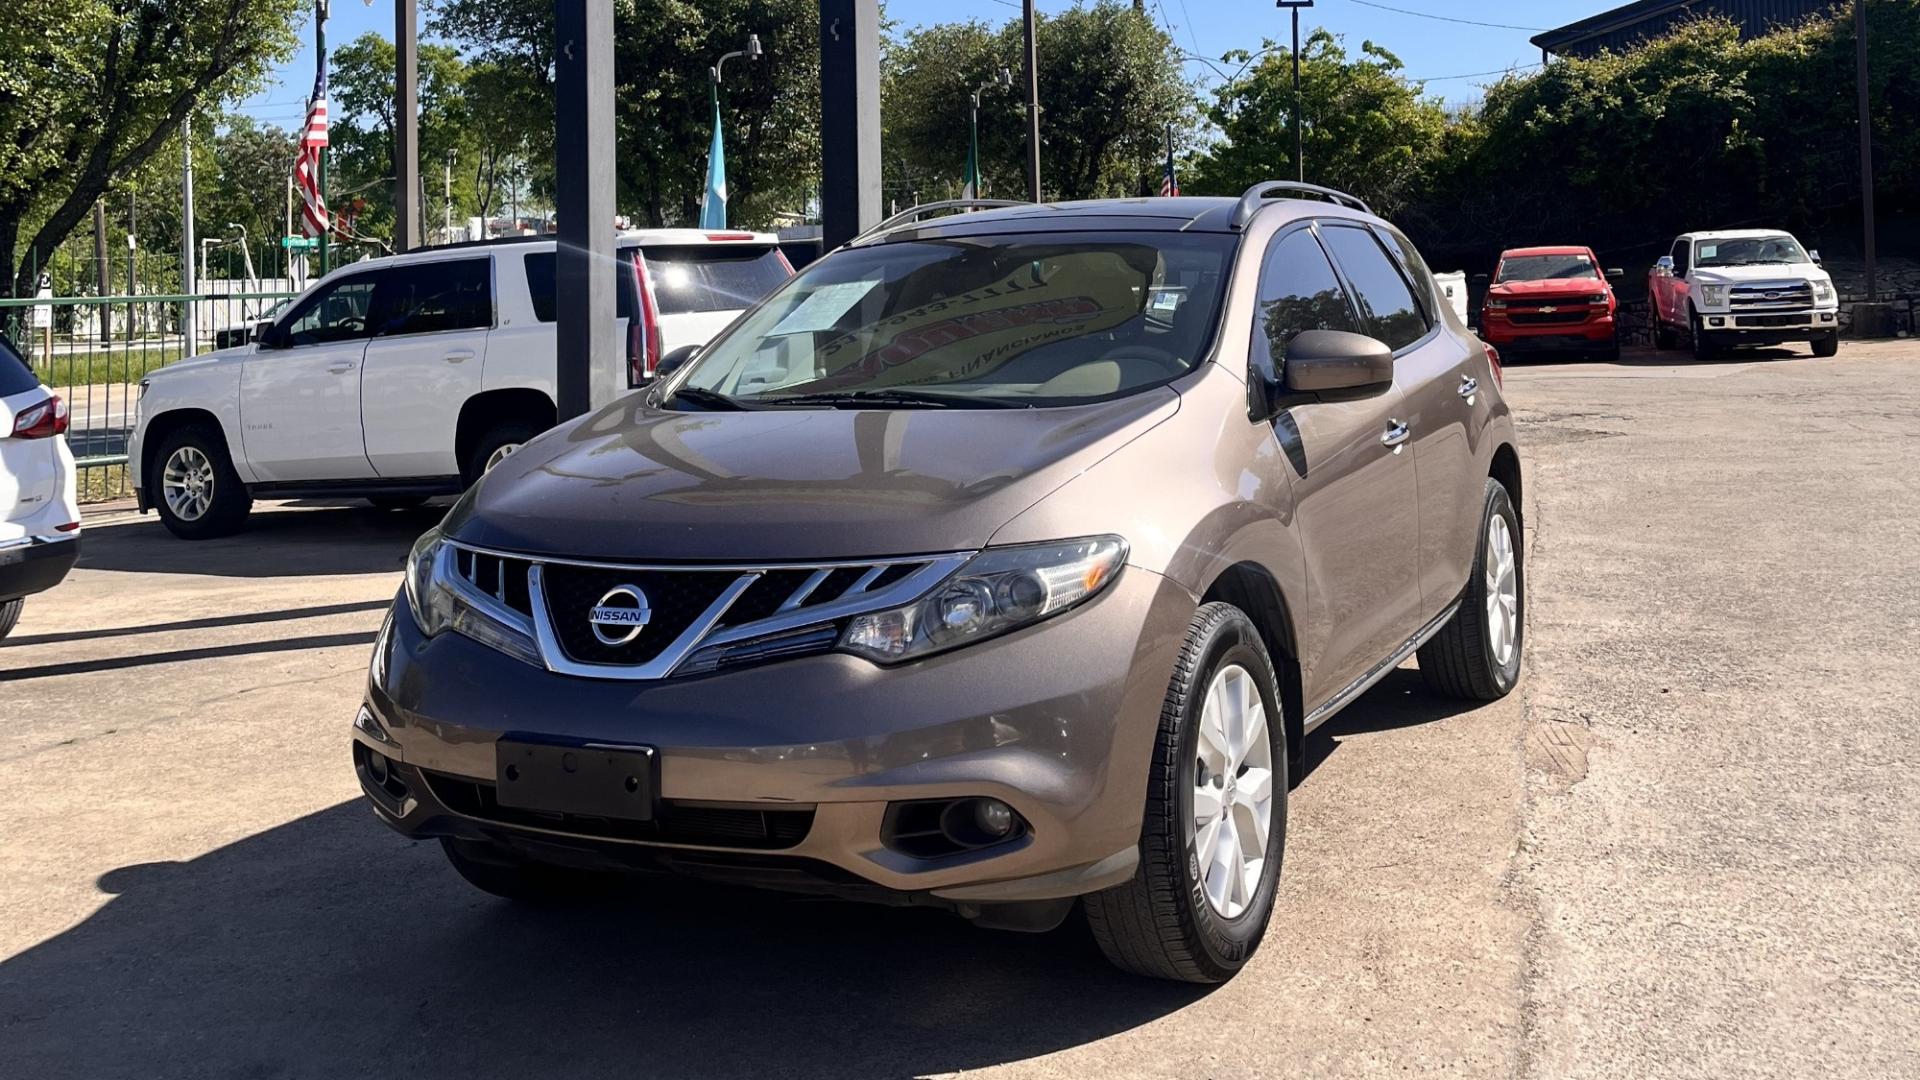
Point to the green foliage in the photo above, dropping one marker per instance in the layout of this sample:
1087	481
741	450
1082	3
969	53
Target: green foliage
1110	80
1366	128
91	89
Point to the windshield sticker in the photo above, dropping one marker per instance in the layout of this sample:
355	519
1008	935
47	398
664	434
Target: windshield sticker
1708	251
823	308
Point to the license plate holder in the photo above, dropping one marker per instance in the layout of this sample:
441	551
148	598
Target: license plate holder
591	779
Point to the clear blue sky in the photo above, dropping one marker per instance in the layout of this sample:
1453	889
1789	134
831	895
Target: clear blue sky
1431	47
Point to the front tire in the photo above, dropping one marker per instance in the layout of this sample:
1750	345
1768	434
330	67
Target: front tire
1216	814
1704	347
1476	656
10	614
493	869
197	493
1828	346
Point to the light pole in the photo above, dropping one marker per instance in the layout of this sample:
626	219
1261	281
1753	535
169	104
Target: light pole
1866	143
972	187
446	199
246	257
1299	138
1033	102
713	205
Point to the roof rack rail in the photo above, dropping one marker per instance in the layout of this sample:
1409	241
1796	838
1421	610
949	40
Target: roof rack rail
915	213
1256	197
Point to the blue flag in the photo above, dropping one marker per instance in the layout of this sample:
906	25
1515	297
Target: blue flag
713	208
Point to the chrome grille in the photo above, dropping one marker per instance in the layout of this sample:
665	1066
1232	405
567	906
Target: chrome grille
699	618
1770	296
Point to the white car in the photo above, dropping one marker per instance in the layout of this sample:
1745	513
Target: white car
401	378
39	515
1742	287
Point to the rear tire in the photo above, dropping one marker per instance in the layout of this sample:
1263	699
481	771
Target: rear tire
1178	919
1828	346
1663	335
195	489
10	614
500	441
1476	656
493	869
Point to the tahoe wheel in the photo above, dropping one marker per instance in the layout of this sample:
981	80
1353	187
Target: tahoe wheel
1477	654
1216	814
194	488
1828	345
498	444
494	869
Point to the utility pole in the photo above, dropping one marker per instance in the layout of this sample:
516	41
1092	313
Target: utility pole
100	268
446	199
1299	135
1866	144
320	58
1033	105
406	125
189	277
583	199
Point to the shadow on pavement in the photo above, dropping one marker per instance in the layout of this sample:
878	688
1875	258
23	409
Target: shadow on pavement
1641	356
209	623
1401	700
341	539
330	947
206	652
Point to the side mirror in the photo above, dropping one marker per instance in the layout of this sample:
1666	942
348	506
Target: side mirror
1663	265
675	360
1331	362
1815	256
264	336
1614	273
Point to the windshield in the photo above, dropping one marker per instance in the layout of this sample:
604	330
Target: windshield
989	321
1545	267
1750	251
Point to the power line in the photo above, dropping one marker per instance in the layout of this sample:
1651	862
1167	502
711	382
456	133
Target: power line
1447	18
1475	74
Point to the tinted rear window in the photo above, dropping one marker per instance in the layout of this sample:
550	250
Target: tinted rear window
15	376
540	288
712	277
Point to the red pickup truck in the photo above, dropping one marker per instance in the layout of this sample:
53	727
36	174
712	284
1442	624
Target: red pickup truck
1551	299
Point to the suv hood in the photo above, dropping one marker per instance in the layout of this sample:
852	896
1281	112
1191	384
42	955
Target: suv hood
1736	275
201	362
636	483
1549	287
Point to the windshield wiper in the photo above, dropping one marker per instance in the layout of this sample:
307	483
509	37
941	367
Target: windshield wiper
918	399
707	399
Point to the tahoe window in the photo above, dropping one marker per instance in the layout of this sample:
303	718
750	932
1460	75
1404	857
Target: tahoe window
336	313
427	298
1545	268
1298	292
1031	319
542	291
711	277
1384	297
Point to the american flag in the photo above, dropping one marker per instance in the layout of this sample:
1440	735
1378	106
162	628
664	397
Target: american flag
306	168
1169	183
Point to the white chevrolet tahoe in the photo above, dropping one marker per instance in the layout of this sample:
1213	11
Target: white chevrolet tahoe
1742	287
401	378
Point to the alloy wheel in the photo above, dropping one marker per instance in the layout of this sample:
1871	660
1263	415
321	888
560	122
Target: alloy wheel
1503	591
1232	791
187	483
500	454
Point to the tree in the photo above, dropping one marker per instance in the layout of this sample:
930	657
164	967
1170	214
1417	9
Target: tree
1367	129
663	115
91	89
1110	80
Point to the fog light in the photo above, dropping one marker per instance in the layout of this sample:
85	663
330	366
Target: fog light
377	767
1826	316
1716	321
994	817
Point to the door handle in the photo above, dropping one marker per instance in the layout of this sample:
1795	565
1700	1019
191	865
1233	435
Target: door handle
1396	434
459	356
342	367
1468	387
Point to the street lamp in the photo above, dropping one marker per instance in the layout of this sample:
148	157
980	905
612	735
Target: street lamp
971	189
751	52
1299	139
246	257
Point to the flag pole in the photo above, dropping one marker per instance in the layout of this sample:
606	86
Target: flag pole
320	63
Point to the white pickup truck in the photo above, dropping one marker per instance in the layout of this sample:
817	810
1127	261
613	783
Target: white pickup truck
401	378
1742	287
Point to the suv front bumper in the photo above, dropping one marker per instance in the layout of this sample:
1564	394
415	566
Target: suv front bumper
785	772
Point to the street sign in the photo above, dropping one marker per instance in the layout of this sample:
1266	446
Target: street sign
299	243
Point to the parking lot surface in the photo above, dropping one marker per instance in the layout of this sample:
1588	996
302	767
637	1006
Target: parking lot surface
1689	846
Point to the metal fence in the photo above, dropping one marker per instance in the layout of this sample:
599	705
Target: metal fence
94	350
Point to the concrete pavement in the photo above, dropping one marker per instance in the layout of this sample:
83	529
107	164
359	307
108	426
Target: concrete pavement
1686	847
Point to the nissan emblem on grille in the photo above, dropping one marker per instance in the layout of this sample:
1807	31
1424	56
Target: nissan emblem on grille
620	615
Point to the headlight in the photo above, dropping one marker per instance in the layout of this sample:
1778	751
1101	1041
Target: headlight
1598	299
441	601
1497	305
1713	295
999	590
1823	292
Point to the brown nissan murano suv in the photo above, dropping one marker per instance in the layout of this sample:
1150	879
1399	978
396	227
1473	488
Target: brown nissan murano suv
998	561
